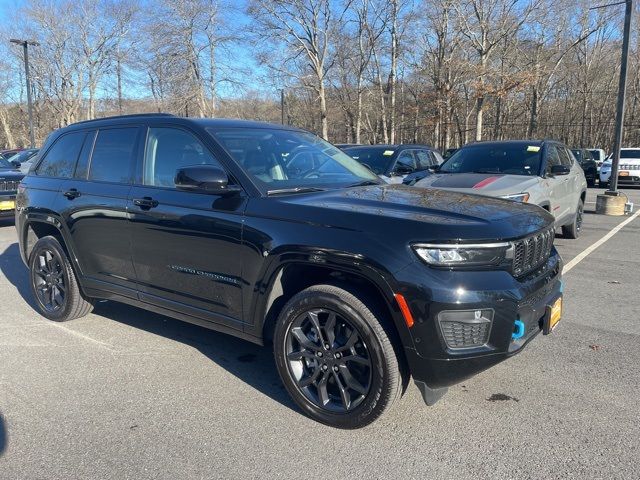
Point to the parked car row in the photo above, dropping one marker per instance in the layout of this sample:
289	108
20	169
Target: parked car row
544	173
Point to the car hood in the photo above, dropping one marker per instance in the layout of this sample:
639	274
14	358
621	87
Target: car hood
11	175
490	184
416	213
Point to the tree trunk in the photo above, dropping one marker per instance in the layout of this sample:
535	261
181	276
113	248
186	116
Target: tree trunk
323	110
533	119
6	129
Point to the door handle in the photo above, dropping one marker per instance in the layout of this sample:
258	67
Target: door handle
145	203
72	193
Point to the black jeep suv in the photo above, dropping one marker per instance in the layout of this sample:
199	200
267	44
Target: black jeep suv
271	234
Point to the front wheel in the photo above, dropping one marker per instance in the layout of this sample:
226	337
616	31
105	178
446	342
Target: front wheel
574	228
54	284
336	358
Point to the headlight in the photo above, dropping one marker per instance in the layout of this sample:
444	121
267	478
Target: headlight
518	197
450	255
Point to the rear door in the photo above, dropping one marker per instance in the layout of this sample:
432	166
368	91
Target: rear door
94	206
574	181
557	184
186	245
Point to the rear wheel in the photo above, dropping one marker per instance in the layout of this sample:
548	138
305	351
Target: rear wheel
573	229
335	357
54	284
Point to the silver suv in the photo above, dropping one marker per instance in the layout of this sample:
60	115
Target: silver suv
544	173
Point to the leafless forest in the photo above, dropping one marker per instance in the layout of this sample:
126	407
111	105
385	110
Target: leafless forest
442	72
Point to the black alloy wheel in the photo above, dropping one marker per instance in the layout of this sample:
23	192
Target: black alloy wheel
579	216
329	360
573	229
338	355
48	280
54	283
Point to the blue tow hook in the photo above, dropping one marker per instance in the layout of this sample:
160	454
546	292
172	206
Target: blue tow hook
518	330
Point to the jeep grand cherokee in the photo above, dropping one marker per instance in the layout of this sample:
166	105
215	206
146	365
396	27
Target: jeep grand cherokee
271	234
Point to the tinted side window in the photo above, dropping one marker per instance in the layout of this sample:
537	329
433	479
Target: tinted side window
406	159
61	158
566	157
424	159
437	158
553	157
167	150
82	168
113	155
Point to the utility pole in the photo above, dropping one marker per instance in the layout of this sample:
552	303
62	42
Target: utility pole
282	106
622	87
25	45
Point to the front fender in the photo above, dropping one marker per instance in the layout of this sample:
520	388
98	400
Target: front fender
334	262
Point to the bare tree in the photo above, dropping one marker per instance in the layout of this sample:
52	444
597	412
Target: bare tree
305	29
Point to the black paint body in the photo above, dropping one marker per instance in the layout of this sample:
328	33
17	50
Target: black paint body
215	260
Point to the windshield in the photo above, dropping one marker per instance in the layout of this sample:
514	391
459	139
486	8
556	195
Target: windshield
5	164
378	159
630	154
24	156
512	159
284	159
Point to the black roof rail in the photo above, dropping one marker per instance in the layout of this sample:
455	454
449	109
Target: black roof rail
133	115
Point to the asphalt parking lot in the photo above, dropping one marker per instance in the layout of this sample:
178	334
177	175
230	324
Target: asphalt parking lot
125	393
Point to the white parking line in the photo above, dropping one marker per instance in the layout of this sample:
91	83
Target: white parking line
83	336
582	255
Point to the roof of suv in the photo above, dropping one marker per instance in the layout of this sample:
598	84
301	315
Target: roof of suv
391	146
503	142
204	122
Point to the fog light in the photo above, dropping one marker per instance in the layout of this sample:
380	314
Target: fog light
465	328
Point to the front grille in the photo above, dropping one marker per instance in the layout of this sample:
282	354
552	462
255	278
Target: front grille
531	252
8	185
463	334
629	167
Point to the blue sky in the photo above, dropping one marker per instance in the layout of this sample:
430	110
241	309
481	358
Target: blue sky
241	56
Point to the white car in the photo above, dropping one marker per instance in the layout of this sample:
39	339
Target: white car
628	169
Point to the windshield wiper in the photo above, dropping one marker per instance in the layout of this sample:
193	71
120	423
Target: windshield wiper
364	183
486	170
284	191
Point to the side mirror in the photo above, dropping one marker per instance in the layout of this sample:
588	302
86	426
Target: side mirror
204	179
16	164
560	170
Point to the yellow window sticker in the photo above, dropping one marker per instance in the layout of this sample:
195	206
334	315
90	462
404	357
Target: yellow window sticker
387	152
533	148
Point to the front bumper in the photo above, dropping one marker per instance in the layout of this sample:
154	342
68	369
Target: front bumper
433	364
633	177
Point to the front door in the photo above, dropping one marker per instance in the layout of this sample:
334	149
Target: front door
186	245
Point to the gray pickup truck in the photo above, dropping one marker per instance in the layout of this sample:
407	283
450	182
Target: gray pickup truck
543	173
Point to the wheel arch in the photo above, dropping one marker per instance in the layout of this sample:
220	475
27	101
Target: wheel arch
290	278
37	227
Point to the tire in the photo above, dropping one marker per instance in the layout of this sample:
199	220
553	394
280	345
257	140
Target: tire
604	184
54	284
345	379
573	229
